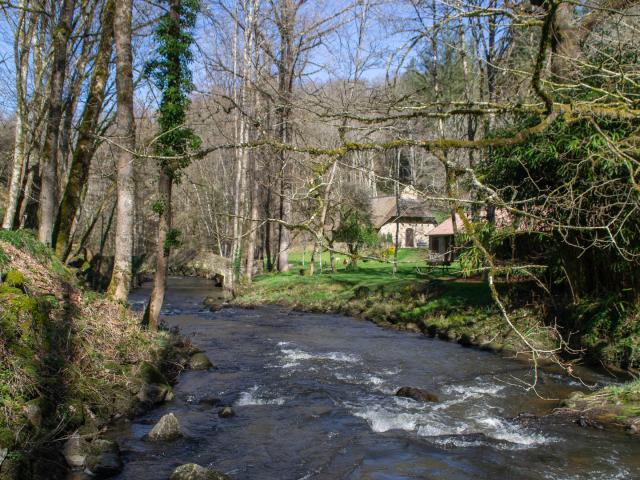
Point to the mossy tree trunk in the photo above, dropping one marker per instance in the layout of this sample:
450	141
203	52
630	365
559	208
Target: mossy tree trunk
48	180
86	144
163	249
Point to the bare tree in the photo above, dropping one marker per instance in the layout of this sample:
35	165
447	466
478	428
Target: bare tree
125	135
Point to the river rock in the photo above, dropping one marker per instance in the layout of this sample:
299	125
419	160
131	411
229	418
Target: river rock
226	412
416	394
105	460
466	340
199	361
412	327
191	471
526	419
33	411
74	451
153	393
167	429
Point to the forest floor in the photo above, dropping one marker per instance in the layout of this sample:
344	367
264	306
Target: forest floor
439	303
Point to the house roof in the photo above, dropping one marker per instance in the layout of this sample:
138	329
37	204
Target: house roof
385	210
381	208
502	219
446	227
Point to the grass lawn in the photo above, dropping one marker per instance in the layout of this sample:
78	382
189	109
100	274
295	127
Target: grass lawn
370	275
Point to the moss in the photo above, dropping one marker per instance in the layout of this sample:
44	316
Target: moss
6	438
14	278
7	290
149	373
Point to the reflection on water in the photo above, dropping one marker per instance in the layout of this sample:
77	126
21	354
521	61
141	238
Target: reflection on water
313	396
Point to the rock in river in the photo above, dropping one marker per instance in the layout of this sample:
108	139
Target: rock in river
74	451
226	412
416	394
105	460
191	471
167	429
153	393
199	361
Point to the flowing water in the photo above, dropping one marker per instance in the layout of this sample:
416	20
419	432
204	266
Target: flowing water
313	396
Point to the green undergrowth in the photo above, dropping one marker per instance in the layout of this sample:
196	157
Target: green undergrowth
68	357
608	329
614	403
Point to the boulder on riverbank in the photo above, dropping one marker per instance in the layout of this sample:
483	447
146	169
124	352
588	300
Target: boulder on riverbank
166	430
104	460
192	471
417	394
74	451
99	458
199	361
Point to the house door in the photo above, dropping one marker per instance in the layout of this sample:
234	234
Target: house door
408	237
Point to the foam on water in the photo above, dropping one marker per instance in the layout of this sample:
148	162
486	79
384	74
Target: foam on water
479	389
500	429
293	356
442	425
382	420
251	397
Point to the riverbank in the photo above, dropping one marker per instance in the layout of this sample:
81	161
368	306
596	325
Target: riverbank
437	302
71	362
440	303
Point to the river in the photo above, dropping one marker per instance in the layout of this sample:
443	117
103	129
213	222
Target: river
313	396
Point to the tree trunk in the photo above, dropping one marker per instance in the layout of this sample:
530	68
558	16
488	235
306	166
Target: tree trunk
49	183
254	222
267	229
284	238
122	267
152	313
323	217
86	143
22	64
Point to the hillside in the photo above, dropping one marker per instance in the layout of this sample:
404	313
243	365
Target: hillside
69	359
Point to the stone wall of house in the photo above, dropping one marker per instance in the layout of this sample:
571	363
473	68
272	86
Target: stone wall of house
420	233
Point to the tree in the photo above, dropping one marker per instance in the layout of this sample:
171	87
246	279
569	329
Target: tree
86	143
49	179
356	231
23	37
125	136
173	78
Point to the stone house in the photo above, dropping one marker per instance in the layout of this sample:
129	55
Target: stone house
411	215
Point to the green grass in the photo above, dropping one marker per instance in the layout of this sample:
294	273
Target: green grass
620	403
26	241
370	274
